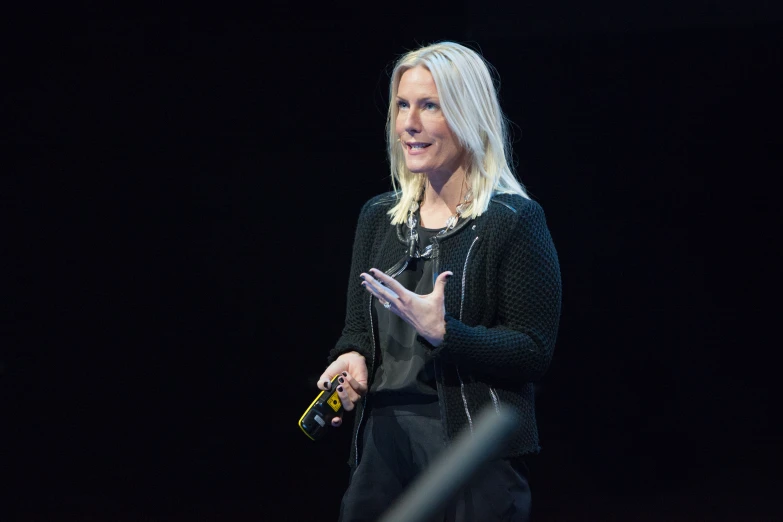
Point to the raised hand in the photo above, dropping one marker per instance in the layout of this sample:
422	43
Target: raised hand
426	313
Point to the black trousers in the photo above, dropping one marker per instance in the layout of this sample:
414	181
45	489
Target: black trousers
398	445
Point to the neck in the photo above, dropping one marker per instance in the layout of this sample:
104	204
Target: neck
444	191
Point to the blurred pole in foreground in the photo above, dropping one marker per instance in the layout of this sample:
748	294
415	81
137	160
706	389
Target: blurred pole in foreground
454	467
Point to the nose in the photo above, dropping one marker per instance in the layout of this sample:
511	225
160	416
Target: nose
412	122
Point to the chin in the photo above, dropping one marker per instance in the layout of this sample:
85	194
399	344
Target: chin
417	169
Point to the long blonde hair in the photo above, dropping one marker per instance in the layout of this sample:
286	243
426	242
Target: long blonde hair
470	105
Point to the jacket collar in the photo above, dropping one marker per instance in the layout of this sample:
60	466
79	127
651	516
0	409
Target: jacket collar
402	230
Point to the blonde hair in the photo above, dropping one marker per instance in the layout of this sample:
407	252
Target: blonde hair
470	105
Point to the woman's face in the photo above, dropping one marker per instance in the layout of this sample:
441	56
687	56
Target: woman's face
427	141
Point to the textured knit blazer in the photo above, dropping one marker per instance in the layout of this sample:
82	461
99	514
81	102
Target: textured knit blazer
502	311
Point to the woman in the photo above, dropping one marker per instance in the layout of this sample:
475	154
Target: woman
454	296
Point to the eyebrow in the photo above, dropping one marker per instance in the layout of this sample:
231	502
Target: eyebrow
425	99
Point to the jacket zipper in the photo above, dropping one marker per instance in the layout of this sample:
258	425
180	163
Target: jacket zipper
493	394
461	305
392	273
495	399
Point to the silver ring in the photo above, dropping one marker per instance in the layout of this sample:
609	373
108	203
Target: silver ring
386	305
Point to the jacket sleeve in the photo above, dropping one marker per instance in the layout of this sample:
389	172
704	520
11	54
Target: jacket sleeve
529	293
356	331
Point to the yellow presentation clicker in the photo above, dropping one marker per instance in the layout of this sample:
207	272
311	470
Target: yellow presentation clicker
317	419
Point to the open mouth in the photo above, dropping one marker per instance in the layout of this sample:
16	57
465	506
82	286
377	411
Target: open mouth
417	146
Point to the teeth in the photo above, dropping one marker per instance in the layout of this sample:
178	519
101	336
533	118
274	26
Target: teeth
418	146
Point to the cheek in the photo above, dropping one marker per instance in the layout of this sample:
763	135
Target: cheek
443	131
447	138
453	150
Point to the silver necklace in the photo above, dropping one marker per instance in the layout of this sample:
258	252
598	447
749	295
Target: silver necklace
412	224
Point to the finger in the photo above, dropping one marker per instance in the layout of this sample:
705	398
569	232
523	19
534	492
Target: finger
333	369
358	387
377	289
354	390
388	282
373	282
337	422
440	282
383	293
347	396
324	381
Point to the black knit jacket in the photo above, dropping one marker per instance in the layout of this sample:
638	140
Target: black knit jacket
502	311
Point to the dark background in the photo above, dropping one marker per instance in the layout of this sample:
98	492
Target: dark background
178	201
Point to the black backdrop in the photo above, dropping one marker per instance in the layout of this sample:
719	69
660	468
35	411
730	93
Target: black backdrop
178	203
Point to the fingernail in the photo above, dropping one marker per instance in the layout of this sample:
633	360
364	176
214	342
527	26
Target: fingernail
345	374
341	380
326	385
361	277
340	389
364	285
372	271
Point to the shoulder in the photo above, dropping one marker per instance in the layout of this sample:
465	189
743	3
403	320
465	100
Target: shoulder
374	216
378	205
515	207
520	223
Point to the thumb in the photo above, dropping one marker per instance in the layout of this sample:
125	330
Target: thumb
324	381
443	278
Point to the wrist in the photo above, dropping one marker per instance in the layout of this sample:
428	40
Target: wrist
435	338
351	354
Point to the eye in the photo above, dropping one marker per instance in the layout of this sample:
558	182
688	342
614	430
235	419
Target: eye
401	104
430	106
